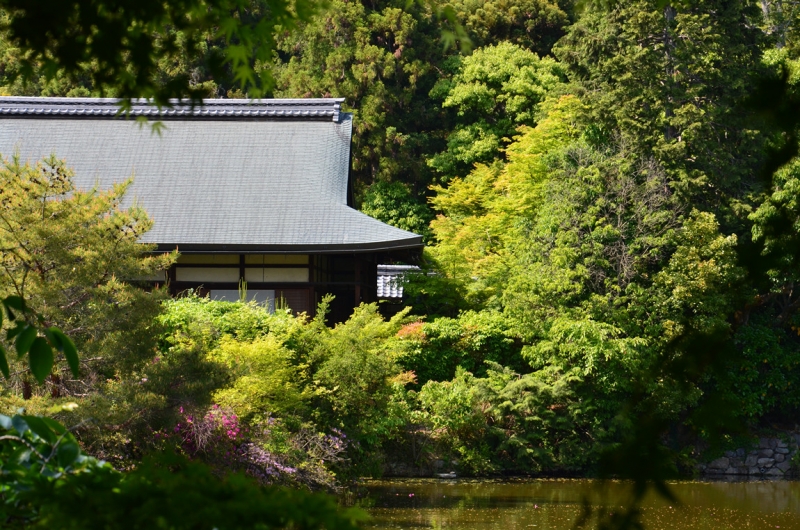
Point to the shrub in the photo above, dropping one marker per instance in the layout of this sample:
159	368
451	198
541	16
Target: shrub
355	373
434	350
265	382
450	411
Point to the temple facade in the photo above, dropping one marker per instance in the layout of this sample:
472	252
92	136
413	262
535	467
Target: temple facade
255	195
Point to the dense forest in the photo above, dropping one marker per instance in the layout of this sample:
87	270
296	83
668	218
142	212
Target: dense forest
611	206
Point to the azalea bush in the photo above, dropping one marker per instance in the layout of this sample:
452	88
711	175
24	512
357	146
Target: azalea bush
266	451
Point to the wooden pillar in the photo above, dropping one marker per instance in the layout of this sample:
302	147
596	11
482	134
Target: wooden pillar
358	272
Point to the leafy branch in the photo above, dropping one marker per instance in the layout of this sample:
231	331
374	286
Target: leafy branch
33	338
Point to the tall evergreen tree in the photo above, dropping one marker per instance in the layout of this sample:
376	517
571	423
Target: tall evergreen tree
382	58
386	57
670	80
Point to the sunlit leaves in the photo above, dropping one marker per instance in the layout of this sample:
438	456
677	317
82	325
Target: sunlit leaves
493	92
77	244
669	80
486	213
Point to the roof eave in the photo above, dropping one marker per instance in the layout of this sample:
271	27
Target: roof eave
344	248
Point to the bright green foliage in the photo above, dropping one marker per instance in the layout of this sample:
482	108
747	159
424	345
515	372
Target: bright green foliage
265	382
253	368
393	203
450	410
493	92
228	354
776	223
695	281
598	267
491	207
663	86
588	294
68	253
356	374
435	350
74	256
210	320
545	420
290	380
510	421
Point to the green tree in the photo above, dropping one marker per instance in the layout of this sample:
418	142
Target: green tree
382	59
489	210
385	58
356	376
599	268
493	92
393	203
72	254
434	350
75	258
670	79
532	24
780	24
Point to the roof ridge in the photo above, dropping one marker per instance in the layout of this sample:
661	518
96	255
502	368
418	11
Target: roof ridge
211	108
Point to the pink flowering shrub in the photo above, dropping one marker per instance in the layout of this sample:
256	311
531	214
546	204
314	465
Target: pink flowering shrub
268	452
217	429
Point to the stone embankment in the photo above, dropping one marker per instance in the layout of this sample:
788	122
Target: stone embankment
774	457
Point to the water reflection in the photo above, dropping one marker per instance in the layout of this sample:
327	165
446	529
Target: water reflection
554	504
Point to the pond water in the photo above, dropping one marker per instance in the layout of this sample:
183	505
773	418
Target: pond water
555	504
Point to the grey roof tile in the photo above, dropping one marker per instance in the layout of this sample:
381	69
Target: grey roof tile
389	279
228	184
211	108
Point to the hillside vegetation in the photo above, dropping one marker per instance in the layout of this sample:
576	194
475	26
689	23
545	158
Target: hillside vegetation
610	199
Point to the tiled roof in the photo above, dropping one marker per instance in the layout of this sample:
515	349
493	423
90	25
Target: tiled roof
389	276
233	184
212	108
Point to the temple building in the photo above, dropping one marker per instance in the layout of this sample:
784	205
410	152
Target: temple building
255	195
